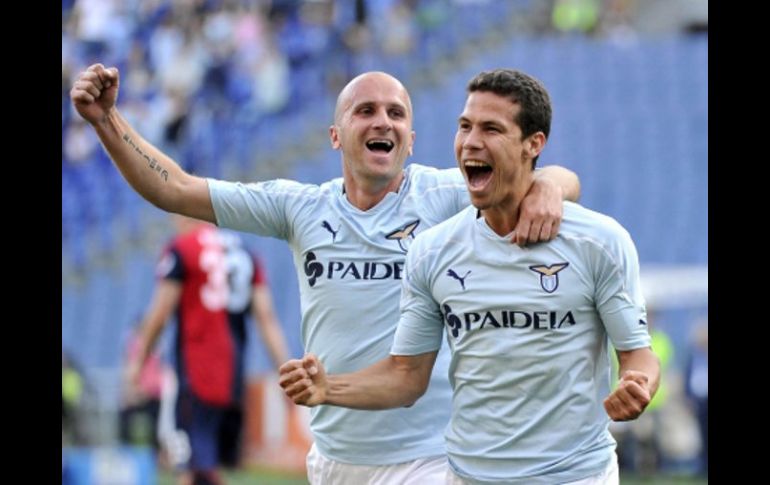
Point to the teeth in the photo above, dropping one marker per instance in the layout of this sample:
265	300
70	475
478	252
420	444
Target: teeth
387	142
476	163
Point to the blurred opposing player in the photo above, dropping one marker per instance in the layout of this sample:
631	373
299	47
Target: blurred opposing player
528	329
349	237
210	282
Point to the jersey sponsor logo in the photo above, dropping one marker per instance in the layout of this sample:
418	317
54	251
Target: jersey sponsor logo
328	227
454	275
404	235
313	269
549	275
533	320
351	270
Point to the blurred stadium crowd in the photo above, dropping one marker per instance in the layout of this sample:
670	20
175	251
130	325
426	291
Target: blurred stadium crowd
245	89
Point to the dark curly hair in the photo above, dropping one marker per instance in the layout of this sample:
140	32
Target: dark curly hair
526	91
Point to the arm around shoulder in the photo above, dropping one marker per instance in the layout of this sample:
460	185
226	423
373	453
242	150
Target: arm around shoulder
565	179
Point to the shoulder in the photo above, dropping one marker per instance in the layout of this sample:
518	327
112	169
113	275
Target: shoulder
274	187
594	229
422	177
292	187
446	232
579	221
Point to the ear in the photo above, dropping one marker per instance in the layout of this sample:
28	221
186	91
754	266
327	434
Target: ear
411	144
334	137
534	144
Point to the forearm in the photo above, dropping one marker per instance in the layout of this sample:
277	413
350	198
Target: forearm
275	343
164	300
563	178
641	360
155	176
267	324
390	383
149	336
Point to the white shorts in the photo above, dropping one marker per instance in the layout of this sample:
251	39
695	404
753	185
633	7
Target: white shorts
608	477
425	471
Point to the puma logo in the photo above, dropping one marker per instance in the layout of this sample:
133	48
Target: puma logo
454	275
328	227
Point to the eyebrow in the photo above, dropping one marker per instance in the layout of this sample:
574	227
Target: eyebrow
389	105
485	123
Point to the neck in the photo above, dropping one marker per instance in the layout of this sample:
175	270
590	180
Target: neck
503	217
501	220
366	193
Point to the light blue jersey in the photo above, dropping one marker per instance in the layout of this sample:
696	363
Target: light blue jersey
529	331
349	265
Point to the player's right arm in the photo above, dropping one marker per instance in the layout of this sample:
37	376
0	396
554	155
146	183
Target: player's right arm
395	381
154	175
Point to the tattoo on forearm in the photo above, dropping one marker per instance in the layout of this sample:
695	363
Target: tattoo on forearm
151	162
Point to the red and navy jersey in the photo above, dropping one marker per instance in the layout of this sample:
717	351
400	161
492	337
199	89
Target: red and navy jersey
217	276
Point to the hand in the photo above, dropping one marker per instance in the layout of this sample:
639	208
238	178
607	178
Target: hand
630	398
95	92
304	380
540	213
131	390
132	375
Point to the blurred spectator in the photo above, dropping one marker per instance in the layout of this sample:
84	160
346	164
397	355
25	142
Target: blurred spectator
80	143
72	388
399	29
211	282
140	401
580	16
697	388
616	22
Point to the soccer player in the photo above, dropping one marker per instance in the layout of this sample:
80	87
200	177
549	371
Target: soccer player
209	281
528	328
349	237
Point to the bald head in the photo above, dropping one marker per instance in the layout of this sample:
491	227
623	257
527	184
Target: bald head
348	94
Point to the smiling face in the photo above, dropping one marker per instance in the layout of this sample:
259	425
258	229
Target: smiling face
373	128
500	134
494	158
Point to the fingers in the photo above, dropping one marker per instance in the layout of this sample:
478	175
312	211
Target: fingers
85	91
629	400
521	232
300	392
544	234
534	227
92	82
291	372
553	229
540	214
311	364
295	381
106	76
298	380
636	376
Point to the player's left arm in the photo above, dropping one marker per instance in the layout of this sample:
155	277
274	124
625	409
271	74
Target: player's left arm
268	325
541	210
639	372
165	299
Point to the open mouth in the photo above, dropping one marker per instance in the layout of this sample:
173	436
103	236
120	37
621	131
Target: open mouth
479	173
379	146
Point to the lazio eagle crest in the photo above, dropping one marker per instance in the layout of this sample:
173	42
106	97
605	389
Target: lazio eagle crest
549	275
